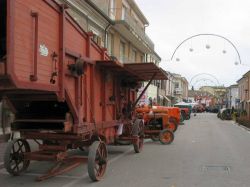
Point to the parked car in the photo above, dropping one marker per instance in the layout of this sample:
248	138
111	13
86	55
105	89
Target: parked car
225	114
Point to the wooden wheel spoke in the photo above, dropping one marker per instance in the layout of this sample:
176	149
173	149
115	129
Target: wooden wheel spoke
103	153
11	156
13	149
97	160
99	151
16	166
20	147
97	169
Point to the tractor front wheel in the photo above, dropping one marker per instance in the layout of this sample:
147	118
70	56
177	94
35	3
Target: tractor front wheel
166	137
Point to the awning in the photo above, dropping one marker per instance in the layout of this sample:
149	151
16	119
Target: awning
112	65
147	70
116	67
137	71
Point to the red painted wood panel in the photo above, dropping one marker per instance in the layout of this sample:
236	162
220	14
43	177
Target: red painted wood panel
97	96
48	35
74	40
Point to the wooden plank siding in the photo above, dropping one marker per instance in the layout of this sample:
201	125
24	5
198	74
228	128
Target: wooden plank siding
48	35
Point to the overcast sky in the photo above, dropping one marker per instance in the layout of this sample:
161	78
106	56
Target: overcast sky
172	21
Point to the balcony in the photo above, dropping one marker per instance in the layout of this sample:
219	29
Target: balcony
136	32
178	91
139	31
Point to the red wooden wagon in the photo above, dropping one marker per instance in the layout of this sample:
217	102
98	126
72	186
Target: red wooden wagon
65	91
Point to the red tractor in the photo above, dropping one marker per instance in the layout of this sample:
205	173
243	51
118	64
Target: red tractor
160	123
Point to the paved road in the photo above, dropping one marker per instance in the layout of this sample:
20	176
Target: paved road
207	152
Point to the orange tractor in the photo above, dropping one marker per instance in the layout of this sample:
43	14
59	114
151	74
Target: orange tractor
160	122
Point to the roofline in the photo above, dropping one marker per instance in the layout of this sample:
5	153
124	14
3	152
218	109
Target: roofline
157	55
97	9
244	75
134	4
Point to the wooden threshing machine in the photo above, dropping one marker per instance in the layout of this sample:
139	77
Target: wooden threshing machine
64	90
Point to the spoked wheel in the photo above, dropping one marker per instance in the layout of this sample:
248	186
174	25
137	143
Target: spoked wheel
138	130
97	160
138	145
14	161
166	137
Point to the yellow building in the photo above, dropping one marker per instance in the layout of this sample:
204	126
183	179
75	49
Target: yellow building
219	92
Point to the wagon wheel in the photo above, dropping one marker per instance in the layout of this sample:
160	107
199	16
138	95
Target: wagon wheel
14	161
138	145
166	136
138	130
97	160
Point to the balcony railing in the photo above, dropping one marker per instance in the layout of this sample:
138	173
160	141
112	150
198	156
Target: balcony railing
139	31
133	25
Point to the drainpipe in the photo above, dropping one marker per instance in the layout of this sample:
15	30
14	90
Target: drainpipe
106	35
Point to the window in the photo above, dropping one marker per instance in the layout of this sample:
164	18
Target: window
124	12
112	9
110	44
122	51
133	55
176	85
142	58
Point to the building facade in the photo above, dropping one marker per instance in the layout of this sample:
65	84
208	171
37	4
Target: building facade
180	88
219	93
201	97
119	26
233	96
243	93
170	89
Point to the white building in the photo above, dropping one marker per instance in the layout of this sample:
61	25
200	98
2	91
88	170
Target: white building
233	96
180	88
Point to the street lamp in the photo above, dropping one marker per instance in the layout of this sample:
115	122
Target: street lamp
211	78
207	46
